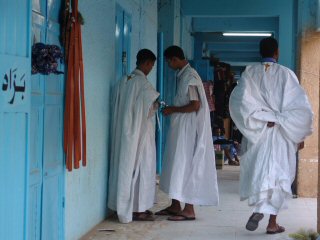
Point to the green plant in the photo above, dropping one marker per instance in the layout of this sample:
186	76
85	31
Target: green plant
305	235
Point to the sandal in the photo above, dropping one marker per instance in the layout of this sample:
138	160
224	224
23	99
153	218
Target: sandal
233	163
166	212
148	212
181	217
142	217
279	229
253	221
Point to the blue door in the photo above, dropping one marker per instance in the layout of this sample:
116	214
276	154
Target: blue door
46	194
123	42
15	60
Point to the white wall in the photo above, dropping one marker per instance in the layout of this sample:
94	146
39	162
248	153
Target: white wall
86	188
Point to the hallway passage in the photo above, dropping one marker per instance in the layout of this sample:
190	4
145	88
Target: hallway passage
225	222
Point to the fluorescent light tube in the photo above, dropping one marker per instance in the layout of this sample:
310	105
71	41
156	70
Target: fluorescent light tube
247	34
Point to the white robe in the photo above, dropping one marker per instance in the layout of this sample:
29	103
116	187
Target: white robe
268	163
133	154
189	172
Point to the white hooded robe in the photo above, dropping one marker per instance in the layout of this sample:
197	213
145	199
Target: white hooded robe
268	162
132	177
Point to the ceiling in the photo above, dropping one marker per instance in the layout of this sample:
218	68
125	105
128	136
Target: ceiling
238	51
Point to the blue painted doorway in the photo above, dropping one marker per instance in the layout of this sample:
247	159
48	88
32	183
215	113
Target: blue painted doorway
123	42
47	168
15	97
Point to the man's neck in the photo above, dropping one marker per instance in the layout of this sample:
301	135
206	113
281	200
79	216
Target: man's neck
183	64
142	70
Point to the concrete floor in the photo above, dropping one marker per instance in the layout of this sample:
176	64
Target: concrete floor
225	222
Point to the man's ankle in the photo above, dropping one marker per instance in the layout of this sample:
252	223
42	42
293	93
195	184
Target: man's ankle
175	204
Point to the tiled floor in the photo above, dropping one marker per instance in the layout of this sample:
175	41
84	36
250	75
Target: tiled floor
224	222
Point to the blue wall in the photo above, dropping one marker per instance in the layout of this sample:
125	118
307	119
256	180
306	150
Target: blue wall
308	16
86	188
186	39
176	29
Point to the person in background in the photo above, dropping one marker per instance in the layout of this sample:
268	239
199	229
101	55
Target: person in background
228	146
208	88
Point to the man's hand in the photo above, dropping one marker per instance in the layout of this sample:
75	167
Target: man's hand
270	124
193	106
300	146
168	110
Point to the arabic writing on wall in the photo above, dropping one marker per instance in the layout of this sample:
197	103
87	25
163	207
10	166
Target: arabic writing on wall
13	84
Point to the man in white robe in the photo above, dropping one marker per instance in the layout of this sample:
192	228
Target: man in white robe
189	172
132	179
274	115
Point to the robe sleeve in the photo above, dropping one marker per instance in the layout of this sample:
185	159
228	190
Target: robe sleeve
153	109
250	117
147	98
193	93
296	116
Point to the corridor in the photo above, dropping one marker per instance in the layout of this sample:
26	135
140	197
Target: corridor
225	222
41	199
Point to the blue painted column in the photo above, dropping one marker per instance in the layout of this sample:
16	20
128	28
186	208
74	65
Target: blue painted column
169	25
159	131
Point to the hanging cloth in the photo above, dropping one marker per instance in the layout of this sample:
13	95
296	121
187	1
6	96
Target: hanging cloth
74	115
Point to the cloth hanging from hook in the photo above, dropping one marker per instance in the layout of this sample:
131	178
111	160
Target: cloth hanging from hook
74	115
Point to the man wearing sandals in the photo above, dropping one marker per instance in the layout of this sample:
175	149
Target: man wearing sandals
132	178
274	115
189	173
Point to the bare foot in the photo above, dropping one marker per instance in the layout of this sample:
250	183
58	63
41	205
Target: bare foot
273	227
